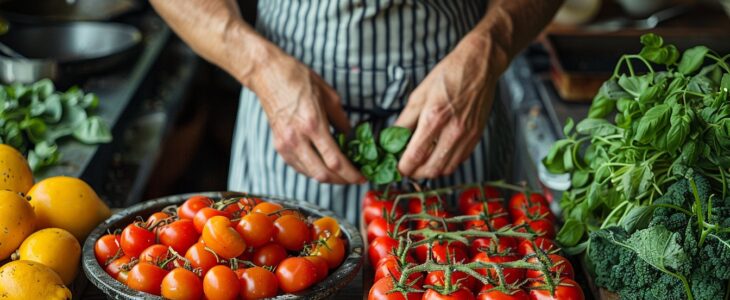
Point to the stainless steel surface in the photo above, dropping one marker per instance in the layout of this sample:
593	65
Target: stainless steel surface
641	24
69	49
35	11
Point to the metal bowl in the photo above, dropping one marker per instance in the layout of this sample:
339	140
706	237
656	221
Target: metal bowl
322	290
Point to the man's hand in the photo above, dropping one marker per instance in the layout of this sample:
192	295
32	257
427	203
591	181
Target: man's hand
449	111
300	106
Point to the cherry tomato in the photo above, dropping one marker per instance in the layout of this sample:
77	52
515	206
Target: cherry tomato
454	251
146	277
325	226
221	283
181	284
270	254
559	265
526	246
389	266
432	203
473	196
497	216
155	254
256	229
135	238
567	289
219	235
155	218
333	251
296	274
435	224
536	211
511	275
372	196
204	214
376	208
191	206
460	294
381	291
200	257
489	293
291	232
543	227
242	207
179	235
268	209
437	278
115	267
380	247
258	283
106	248
322	267
500	245
519	204
379	227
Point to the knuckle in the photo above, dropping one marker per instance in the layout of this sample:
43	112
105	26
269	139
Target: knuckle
435	115
321	176
310	123
334	163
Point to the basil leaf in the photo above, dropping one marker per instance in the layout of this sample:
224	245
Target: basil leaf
601	107
571	233
612	90
35	128
678	132
594	126
651	40
93	130
692	59
637	218
579	178
725	82
387	171
369	151
654	120
53	109
89	101
364	132
394	139
635	85
568	126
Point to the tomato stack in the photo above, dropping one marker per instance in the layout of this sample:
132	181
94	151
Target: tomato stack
234	248
421	249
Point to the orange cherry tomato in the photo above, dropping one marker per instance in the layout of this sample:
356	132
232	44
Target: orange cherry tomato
333	251
322	267
146	277
155	254
220	236
242	207
155	218
291	232
296	274
256	229
258	283
270	254
322	226
181	284
268	208
117	266
204	214
221	283
202	258
191	206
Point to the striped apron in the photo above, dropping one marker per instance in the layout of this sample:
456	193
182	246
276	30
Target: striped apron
373	53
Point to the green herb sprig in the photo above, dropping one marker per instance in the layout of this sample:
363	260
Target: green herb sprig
34	117
643	132
378	161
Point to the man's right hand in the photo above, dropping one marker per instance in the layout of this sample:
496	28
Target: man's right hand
300	106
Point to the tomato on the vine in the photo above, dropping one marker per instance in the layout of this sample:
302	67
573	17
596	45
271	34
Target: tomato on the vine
460	294
204	214
117	266
435	224
494	212
155	254
389	266
221	283
106	248
567	289
438	278
146	277
179	235
296	274
380	227
219	235
258	283
135	238
472	196
558	265
181	284
511	275
256	229
526	246
432	203
501	245
382	288
200	257
519	203
380	247
291	232
489	292
542	226
454	251
191	206
376	209
270	254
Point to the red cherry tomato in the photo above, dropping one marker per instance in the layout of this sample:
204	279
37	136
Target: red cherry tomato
146	277
205	213
381	290
454	251
494	211
567	289
519	204
135	238
536	211
489	293
501	245
472	196
432	203
376	208
181	284
389	266
322	268
379	227
460	294
437	278
258	283
511	275
106	248
291	232
270	254
221	283
155	254
242	207
156	218
435	224
256	229
543	227
179	235
559	265
380	247
296	274
526	246
191	206
200	257
115	267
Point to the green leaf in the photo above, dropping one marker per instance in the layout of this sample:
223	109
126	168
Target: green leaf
637	218
369	151
387	171
43	88
678	132
579	178
651	40
92	131
364	132
692	59
35	129
568	163
659	247
653	121
635	181
635	85
601	107
571	233
53	109
612	90
595	126
725	82
89	101
394	139
568	126
553	161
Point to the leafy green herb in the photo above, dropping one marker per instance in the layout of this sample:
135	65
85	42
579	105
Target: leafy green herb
34	117
378	162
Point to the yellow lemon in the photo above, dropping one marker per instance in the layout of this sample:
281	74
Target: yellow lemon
16	222
67	203
15	174
22	280
55	248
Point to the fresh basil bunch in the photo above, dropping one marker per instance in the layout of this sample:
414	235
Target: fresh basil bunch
643	132
378	162
34	117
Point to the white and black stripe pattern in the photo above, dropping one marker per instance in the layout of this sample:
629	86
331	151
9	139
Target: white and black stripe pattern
373	53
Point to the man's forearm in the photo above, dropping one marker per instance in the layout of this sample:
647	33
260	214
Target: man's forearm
216	31
509	26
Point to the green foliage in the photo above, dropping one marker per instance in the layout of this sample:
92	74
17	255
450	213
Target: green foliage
34	117
378	162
